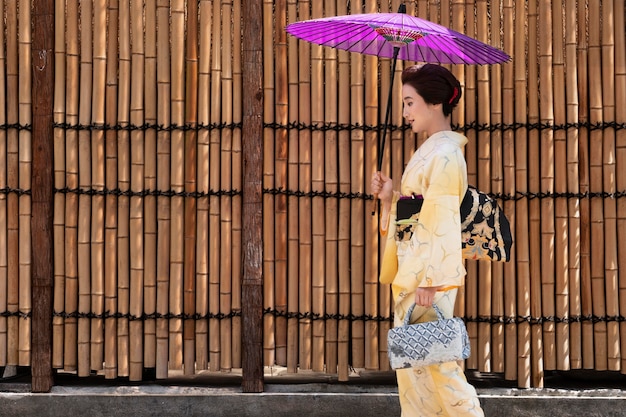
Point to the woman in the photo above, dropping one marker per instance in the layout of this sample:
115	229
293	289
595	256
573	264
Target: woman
422	258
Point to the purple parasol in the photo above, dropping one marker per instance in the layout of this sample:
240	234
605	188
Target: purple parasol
396	36
380	33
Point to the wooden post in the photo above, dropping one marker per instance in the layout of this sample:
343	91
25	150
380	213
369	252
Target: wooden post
252	285
42	193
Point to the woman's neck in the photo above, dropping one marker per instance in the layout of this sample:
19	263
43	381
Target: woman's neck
439	125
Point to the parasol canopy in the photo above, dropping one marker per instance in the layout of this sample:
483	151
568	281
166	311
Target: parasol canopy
382	34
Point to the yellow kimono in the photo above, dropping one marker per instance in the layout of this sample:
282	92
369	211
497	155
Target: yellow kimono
431	257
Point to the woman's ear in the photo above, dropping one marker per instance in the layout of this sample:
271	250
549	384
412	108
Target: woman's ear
438	107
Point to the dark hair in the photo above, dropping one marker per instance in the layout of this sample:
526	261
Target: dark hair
435	84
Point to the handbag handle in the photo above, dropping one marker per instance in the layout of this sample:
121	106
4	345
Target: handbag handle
407	316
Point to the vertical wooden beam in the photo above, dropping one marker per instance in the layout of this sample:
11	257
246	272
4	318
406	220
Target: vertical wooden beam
42	54
252	209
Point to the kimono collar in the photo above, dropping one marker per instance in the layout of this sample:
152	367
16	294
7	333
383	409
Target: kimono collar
457	138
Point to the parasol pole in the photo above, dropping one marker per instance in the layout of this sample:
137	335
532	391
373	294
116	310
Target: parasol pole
381	147
381	144
394	61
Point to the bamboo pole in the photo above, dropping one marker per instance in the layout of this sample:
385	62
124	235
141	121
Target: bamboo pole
331	184
269	180
202	217
343	235
12	200
439	12
281	181
25	173
534	186
484	173
561	215
423	8
164	358
562	249
214	200
124	183
318	218
522	245
150	183
304	221
597	225
84	183
71	181
611	284
574	227
293	245
585	213
357	250
472	278
110	237
366	291
546	181
226	221
177	183
98	180
620	117
190	172
496	186
509	188
237	184
58	327
137	175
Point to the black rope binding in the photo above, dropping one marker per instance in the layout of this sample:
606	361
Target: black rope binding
324	317
148	126
144	193
473	126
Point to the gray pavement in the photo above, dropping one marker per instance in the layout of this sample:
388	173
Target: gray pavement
304	394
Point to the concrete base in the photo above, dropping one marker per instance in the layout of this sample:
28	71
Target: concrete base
301	395
308	400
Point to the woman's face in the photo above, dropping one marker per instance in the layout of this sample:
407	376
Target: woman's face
415	110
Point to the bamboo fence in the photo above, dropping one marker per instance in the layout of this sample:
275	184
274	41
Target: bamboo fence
148	178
